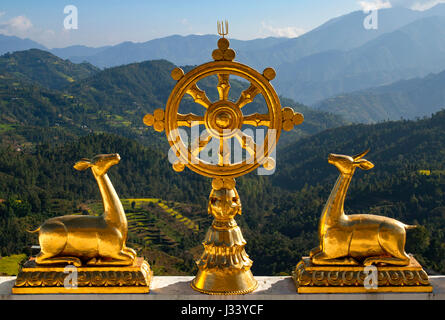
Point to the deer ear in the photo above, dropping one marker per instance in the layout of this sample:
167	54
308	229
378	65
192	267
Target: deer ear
364	164
82	164
360	155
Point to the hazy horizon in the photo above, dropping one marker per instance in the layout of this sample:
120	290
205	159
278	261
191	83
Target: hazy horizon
103	23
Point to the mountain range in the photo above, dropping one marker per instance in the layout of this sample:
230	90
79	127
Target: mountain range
338	57
411	51
40	89
407	99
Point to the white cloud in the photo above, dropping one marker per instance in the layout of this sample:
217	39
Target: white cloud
419	5
186	25
288	32
22	27
425	5
374	5
19	25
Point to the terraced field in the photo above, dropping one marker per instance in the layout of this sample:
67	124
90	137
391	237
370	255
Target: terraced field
186	221
64	207
167	234
142	224
159	225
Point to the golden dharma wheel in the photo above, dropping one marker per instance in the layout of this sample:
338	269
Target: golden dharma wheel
224	267
223	119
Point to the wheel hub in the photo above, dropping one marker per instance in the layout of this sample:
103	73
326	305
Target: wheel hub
223	119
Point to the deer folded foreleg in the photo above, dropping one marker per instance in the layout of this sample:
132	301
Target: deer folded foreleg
43	258
322	258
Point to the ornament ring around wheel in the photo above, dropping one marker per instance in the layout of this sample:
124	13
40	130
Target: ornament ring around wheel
223	119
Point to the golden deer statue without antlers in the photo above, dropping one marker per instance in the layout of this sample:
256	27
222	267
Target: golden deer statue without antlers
359	238
94	240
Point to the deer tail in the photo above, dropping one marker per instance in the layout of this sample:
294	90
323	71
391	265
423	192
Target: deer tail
34	231
408	227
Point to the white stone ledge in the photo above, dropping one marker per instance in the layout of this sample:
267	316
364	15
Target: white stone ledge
270	288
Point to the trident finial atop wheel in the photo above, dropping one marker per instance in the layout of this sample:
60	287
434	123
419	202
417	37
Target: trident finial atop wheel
221	30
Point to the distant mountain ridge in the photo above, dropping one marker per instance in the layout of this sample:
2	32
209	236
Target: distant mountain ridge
336	58
407	99
182	50
411	51
13	43
342	33
76	51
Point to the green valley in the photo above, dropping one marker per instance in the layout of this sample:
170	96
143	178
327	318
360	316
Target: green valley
44	130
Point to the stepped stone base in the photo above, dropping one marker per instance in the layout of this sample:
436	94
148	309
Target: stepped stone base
37	279
310	278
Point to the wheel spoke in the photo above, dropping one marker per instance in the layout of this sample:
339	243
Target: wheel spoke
224	152
189	120
199	144
257	119
246	142
199	96
247	96
223	86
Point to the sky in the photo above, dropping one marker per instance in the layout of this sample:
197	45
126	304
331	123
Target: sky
110	22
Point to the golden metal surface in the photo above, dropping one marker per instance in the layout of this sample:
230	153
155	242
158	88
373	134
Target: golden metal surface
360	238
35	279
224	267
223	119
310	278
349	243
93	241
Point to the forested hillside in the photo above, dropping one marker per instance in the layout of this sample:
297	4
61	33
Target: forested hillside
113	100
44	68
280	212
407	182
41	184
44	131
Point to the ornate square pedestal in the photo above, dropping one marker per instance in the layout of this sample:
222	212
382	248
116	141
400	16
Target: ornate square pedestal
311	278
35	279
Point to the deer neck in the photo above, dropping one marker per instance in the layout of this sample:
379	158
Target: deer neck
333	211
114	213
